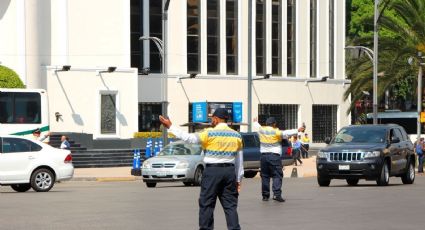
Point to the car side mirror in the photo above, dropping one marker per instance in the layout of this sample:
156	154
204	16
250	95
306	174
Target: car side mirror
327	140
395	140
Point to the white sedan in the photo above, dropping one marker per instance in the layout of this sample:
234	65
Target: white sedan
26	164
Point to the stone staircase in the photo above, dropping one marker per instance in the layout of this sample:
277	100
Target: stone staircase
96	158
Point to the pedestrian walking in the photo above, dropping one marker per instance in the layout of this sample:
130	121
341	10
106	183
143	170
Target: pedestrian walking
296	150
419	149
65	143
271	152
224	168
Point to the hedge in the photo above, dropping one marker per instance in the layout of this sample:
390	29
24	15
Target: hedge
151	135
9	78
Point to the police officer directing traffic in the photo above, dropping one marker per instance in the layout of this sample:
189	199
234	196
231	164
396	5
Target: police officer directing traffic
224	168
271	151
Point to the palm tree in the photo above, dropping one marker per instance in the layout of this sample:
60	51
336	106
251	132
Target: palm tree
405	21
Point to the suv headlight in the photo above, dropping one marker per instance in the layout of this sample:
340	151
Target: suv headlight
182	165
322	154
372	154
146	165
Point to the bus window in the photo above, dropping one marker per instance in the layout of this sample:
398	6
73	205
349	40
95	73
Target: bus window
20	108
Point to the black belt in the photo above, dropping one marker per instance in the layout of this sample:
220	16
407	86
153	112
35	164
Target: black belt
220	165
270	154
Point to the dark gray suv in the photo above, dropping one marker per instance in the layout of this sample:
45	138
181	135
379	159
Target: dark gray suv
371	152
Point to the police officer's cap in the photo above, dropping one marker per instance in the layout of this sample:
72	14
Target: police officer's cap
37	130
221	113
270	121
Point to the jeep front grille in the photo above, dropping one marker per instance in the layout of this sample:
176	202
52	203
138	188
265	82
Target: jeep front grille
346	156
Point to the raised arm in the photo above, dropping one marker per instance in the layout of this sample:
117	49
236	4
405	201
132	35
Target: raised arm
191	138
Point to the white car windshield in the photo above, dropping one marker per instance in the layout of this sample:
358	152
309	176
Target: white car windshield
180	149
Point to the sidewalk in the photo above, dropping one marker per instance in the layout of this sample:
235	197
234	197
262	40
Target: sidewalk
308	169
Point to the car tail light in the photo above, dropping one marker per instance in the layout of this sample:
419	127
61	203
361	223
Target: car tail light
68	159
289	151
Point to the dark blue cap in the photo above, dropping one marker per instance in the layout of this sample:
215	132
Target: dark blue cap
221	113
270	121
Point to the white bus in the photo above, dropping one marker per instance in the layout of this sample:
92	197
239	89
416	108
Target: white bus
22	111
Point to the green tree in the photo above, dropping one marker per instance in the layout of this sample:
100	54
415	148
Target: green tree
9	79
400	36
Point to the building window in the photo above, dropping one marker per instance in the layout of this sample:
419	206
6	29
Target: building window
285	115
331	39
154	23
276	38
324	122
108	114
213	31
149	117
231	36
136	31
259	37
291	37
155	30
313	34
193	36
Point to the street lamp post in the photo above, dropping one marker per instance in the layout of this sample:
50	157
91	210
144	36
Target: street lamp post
375	63
160	45
374	58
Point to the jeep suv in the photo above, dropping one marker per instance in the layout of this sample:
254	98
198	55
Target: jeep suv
371	152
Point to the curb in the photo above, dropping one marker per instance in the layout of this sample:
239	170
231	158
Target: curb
106	179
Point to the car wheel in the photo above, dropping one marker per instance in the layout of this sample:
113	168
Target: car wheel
42	180
352	182
21	187
187	183
323	181
198	176
250	174
151	184
384	177
409	176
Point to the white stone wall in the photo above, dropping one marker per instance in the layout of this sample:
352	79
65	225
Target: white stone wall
75	95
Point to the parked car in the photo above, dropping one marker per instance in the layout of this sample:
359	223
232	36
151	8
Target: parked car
252	154
177	161
371	152
26	164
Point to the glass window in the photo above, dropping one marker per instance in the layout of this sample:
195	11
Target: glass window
285	115
193	35
231	36
136	31
149	117
313	32
213	44
250	140
259	37
276	38
324	122
13	145
20	108
291	39
155	30
108	114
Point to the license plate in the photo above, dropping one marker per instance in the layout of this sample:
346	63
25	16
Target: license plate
162	173
344	167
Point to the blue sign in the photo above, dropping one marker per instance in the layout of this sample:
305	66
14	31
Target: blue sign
237	112
199	112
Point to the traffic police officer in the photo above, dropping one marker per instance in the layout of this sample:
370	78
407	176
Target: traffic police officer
224	168
271	151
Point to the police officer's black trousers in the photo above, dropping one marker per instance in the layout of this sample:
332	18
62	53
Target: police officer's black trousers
271	167
218	182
